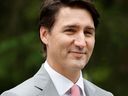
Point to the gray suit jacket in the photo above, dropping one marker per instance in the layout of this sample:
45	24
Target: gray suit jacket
42	85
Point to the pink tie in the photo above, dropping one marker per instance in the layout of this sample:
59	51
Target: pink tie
75	91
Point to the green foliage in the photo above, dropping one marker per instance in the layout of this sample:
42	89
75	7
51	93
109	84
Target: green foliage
20	47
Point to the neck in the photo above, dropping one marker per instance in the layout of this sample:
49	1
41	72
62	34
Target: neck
71	74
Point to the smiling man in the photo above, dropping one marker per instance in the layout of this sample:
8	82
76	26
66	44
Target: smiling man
67	31
71	41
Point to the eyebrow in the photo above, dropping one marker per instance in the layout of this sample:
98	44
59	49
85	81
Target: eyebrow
90	28
77	26
71	26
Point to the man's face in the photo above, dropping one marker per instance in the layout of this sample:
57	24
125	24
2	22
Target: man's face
71	41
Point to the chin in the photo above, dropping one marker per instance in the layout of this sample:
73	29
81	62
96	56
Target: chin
79	64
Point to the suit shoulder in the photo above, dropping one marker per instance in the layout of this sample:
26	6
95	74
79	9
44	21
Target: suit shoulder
99	91
24	89
7	93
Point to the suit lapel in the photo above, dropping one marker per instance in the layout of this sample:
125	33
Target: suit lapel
88	88
44	84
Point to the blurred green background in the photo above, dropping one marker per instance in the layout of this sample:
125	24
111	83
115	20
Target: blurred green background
20	47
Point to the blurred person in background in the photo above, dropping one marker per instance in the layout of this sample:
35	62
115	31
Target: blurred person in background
67	31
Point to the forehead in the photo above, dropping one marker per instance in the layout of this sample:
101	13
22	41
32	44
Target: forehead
67	15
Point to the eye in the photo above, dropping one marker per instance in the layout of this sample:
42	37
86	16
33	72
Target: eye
88	33
70	31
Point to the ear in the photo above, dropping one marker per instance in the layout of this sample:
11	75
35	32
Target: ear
44	34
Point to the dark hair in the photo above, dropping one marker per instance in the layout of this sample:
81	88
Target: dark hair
50	9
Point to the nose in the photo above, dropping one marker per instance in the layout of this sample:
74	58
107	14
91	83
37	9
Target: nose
80	40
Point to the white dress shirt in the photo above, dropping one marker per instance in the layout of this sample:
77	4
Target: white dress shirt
63	84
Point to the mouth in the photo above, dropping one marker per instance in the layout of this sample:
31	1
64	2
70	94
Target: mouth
78	54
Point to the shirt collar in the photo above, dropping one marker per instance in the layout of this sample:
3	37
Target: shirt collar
58	80
80	83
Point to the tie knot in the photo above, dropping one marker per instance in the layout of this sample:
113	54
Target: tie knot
75	91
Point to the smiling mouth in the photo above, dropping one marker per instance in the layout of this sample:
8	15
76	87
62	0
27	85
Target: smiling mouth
77	55
77	52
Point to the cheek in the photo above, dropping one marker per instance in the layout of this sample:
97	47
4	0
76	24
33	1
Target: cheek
59	43
91	44
65	43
